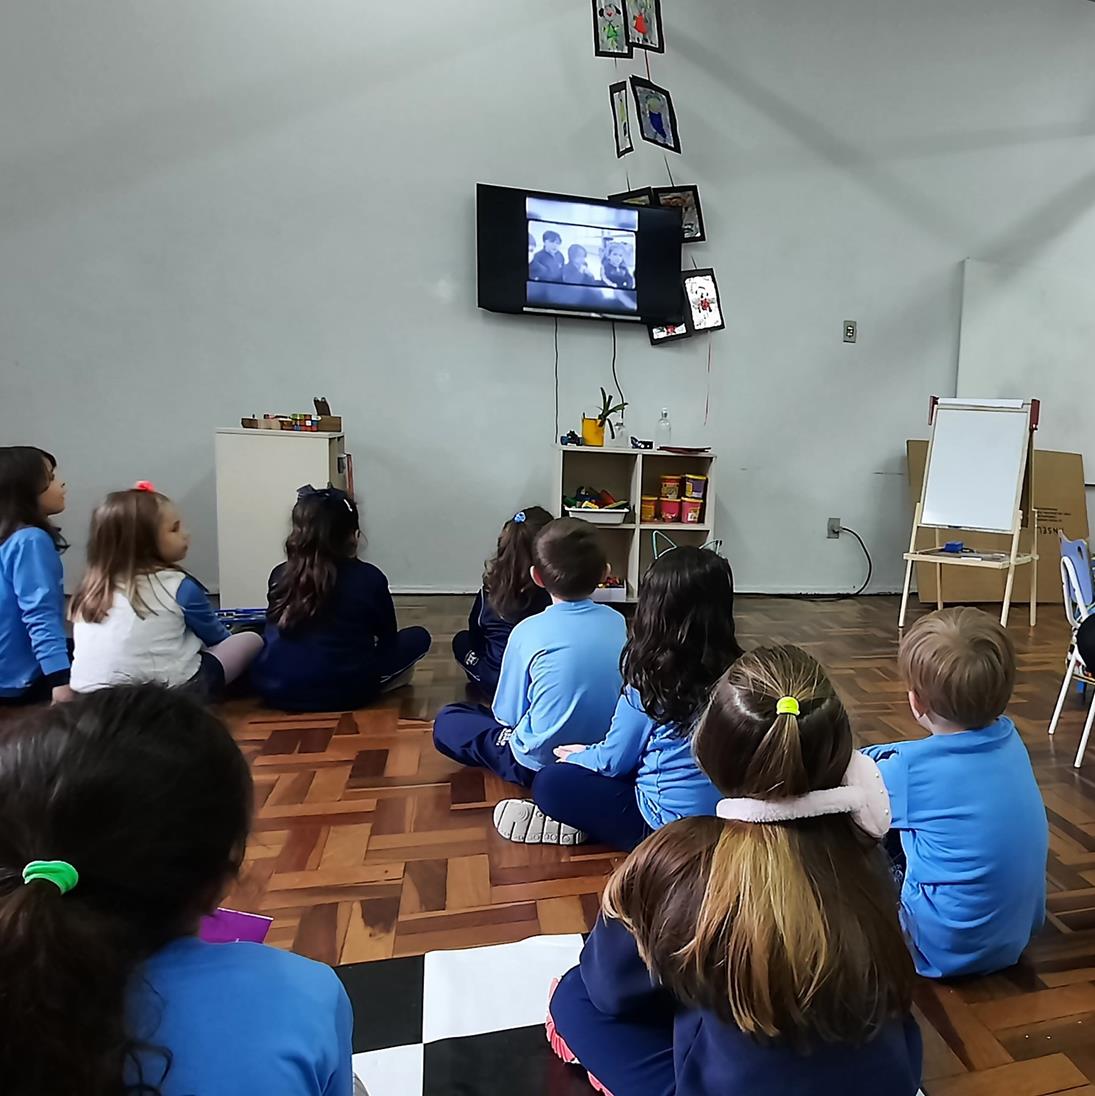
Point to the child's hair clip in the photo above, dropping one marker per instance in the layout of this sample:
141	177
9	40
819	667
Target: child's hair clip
145	485
519	518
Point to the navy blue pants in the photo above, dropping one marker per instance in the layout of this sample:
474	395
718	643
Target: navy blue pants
287	688
628	1057
482	671
470	734
604	807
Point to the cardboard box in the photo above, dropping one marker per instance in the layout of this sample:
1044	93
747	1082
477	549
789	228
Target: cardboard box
1059	498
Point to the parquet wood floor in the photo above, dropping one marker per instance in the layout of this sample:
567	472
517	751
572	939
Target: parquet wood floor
368	844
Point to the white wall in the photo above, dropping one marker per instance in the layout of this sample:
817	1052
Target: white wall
216	207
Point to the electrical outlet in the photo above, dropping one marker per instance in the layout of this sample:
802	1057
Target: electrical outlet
851	331
833	529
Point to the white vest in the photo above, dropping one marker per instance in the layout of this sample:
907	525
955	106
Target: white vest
124	649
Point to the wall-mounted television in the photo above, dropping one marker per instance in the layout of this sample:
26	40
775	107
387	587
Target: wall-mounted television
583	256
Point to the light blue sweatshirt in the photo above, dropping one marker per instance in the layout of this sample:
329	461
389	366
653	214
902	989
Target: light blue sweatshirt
560	679
669	785
974	832
240	1019
32	612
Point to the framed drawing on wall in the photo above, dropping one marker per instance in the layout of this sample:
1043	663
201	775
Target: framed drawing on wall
655	116
621	118
644	196
644	25
610	38
687	200
705	308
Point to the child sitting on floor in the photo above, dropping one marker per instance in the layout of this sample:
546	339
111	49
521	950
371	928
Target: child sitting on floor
970	817
332	642
34	653
123	820
758	951
507	597
643	775
138	615
560	675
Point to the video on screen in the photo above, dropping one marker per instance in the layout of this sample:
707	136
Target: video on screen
581	256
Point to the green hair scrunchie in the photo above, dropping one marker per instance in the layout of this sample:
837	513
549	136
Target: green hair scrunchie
59	872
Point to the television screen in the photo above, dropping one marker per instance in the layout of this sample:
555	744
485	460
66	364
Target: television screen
583	256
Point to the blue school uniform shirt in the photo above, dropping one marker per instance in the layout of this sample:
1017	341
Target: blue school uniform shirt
668	782
332	660
711	1056
241	1019
975	836
560	679
32	613
488	634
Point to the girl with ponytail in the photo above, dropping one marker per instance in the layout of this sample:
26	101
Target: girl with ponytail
508	596
123	819
758	950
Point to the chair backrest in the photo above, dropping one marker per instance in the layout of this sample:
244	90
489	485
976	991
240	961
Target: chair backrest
1076	580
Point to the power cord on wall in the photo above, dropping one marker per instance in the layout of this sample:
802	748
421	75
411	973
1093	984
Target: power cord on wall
841	597
867	555
557	434
615	376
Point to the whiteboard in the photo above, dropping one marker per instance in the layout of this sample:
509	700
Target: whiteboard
975	466
1029	332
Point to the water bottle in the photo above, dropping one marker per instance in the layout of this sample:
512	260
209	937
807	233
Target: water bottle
664	433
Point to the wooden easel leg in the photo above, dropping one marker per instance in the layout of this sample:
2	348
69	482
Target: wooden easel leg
1009	588
1007	595
938	576
905	593
1033	593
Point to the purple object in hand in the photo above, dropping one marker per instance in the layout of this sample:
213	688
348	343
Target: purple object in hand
231	927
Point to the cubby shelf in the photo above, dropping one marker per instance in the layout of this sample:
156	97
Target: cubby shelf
630	474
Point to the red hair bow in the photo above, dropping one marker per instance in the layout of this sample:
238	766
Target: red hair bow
144	485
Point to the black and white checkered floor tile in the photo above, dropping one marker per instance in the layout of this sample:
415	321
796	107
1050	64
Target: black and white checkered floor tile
462	1023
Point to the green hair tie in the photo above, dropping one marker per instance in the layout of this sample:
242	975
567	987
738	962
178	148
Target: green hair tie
59	872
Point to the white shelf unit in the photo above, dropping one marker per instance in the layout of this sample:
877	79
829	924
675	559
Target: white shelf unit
258	473
630	474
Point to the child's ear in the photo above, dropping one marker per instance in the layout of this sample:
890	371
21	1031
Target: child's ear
534	573
919	709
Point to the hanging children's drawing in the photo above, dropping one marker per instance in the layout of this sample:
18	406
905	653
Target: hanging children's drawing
657	120
670	332
642	197
644	25
703	300
609	31
687	200
621	118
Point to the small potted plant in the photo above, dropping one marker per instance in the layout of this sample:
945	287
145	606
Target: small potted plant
593	427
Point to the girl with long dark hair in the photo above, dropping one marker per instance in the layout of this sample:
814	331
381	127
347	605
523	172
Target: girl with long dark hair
123	820
34	653
507	597
332	642
642	775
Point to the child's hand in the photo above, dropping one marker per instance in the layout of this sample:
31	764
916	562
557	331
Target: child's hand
62	695
563	752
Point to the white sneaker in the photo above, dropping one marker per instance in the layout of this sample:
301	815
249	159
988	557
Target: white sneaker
522	821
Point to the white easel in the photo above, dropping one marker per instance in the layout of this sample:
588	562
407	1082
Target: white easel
977	474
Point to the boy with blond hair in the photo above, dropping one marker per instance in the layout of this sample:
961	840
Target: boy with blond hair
965	803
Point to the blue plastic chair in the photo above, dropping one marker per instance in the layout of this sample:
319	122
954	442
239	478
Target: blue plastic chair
1079	594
